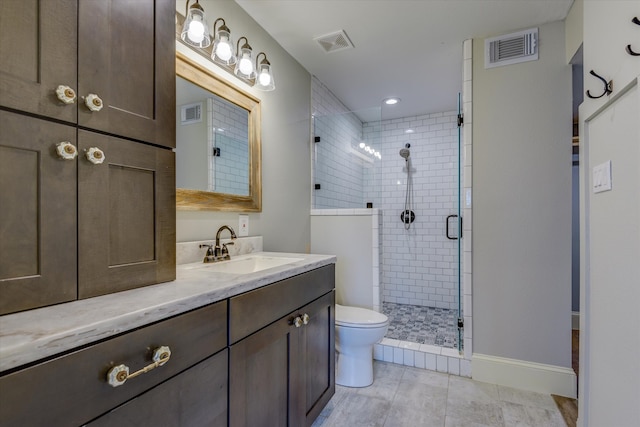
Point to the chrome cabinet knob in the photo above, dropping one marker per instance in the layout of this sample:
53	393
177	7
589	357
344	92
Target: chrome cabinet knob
66	150
65	94
95	155
93	102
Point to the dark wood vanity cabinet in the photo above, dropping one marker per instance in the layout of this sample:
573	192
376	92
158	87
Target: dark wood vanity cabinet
190	389
281	368
121	51
70	228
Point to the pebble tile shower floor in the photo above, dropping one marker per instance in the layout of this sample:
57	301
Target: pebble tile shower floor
423	325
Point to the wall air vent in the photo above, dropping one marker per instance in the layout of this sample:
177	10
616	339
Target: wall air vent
511	48
334	42
191	113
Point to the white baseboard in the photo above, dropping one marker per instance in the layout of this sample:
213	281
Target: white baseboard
575	320
538	377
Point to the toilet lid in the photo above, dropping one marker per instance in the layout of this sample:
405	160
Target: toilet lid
356	317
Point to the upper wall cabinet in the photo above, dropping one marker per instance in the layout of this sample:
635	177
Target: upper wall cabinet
110	72
87	123
38	44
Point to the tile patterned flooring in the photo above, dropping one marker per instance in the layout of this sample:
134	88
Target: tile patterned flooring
422	325
403	396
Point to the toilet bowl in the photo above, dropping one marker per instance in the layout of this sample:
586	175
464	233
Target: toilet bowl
357	330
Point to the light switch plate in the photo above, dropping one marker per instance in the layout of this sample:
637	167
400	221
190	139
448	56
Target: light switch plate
243	225
602	177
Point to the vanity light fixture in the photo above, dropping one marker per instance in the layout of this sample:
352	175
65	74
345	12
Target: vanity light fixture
264	78
244	67
195	30
222	51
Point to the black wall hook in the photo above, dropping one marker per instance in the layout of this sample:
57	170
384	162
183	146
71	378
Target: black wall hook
630	51
608	86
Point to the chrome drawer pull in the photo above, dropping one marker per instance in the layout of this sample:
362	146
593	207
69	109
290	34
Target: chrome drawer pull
120	373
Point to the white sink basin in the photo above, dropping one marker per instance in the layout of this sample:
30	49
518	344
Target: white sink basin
248	264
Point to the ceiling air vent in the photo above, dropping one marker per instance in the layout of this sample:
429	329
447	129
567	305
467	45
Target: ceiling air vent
334	42
511	48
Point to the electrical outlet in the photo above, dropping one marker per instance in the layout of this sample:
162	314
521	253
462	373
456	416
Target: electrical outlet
243	225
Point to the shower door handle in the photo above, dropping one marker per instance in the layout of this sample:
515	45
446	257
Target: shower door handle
447	227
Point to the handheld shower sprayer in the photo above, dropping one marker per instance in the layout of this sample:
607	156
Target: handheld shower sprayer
405	152
407	216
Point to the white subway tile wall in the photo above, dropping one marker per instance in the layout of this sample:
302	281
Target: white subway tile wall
419	265
228	132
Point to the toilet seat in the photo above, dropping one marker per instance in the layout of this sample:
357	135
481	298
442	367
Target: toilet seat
356	317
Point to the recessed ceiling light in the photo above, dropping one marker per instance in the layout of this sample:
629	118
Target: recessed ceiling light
391	101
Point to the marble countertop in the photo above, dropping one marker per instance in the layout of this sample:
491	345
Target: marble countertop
32	335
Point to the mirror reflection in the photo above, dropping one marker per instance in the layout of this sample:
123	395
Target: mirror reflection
218	148
212	141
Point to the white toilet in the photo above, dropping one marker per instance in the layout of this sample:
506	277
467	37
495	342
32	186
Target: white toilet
357	330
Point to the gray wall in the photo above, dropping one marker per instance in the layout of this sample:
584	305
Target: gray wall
286	170
522	205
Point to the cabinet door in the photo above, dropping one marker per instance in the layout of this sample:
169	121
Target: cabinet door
263	370
318	344
194	398
126	216
38	44
126	56
37	214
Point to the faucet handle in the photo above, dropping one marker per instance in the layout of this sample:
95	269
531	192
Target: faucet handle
225	250
209	256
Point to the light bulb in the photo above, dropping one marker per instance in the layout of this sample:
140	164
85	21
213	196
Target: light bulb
362	145
223	49
245	65
265	78
196	30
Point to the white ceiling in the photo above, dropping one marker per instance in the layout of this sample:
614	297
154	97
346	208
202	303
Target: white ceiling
410	49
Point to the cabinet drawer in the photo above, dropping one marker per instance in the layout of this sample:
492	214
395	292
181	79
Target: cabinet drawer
254	310
73	389
195	398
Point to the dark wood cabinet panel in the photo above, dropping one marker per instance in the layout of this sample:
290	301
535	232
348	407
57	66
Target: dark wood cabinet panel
126	215
253	310
195	398
72	389
126	56
38	47
263	372
38	260
318	347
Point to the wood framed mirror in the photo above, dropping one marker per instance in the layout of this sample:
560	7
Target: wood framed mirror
217	195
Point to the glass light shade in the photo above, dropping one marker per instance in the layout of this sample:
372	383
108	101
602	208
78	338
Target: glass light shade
265	80
244	66
223	47
195	31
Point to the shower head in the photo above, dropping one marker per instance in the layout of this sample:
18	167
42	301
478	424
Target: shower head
405	153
